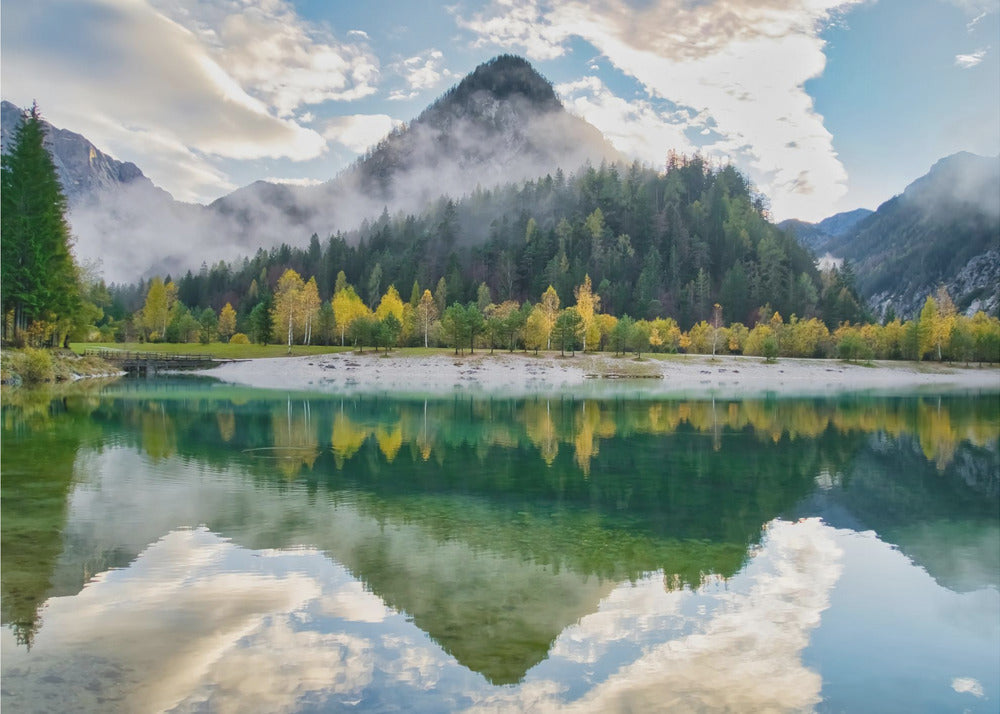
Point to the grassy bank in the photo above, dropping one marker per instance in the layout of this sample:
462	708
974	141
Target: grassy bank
218	350
31	366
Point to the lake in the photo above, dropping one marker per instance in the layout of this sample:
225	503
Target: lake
185	545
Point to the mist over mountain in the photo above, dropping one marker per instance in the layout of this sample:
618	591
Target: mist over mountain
943	229
502	123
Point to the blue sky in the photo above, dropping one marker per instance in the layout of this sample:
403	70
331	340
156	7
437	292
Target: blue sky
826	104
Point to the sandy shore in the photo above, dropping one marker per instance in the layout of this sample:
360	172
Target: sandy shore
504	374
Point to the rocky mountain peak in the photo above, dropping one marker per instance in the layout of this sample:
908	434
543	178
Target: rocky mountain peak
83	169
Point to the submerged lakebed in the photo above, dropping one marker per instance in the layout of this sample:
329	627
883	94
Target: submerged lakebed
182	544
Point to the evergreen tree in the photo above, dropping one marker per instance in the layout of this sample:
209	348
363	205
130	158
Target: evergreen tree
38	277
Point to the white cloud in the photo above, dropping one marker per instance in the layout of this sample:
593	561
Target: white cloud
518	23
970	60
635	128
421	72
357	132
967	685
976	8
278	56
181	86
743	63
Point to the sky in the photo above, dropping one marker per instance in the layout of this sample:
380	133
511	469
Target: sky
827	105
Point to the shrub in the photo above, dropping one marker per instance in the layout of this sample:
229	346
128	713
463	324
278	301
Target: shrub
37	366
770	348
239	339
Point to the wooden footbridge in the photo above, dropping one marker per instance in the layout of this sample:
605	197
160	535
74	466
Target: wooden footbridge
149	363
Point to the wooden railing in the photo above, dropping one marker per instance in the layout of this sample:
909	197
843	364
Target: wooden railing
110	355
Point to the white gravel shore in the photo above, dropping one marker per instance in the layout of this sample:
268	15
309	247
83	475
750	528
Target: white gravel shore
504	374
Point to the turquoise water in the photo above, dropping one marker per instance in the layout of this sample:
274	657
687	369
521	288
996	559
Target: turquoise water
190	546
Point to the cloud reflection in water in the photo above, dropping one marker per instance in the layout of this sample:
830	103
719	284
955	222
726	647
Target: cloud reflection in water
196	622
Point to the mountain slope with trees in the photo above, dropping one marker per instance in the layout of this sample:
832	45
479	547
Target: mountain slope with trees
944	229
649	244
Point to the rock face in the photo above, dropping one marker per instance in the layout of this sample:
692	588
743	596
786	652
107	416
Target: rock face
502	123
944	229
84	170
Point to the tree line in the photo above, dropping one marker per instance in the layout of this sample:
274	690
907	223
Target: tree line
295	314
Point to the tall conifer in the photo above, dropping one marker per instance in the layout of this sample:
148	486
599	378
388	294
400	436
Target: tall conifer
39	277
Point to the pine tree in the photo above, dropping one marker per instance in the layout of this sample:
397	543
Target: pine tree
37	273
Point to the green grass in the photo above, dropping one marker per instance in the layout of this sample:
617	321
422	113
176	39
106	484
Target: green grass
215	349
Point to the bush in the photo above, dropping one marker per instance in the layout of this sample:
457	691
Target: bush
770	348
37	366
239	339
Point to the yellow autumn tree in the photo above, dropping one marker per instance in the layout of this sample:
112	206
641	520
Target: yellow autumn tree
227	322
426	314
549	306
287	311
156	313
347	307
537	328
309	304
390	304
588	303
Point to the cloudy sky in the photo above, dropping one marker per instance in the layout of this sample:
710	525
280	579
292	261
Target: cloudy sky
827	104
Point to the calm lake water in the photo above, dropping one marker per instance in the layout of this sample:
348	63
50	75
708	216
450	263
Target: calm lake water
191	546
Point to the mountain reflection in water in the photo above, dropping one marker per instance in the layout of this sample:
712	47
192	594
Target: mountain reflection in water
190	546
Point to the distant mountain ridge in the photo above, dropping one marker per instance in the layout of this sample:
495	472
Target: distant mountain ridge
944	228
818	236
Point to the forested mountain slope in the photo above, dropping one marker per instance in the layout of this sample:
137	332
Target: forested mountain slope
943	229
653	244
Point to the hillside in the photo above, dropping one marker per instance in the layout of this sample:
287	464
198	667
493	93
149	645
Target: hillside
944	228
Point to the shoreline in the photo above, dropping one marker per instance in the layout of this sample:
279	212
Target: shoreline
519	374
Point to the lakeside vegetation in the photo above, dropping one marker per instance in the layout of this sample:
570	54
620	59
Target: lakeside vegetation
304	324
39	366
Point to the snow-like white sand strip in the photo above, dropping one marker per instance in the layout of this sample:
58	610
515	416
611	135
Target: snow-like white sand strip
505	374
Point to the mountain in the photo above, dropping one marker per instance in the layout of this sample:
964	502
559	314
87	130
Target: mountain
943	229
502	123
83	169
818	236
